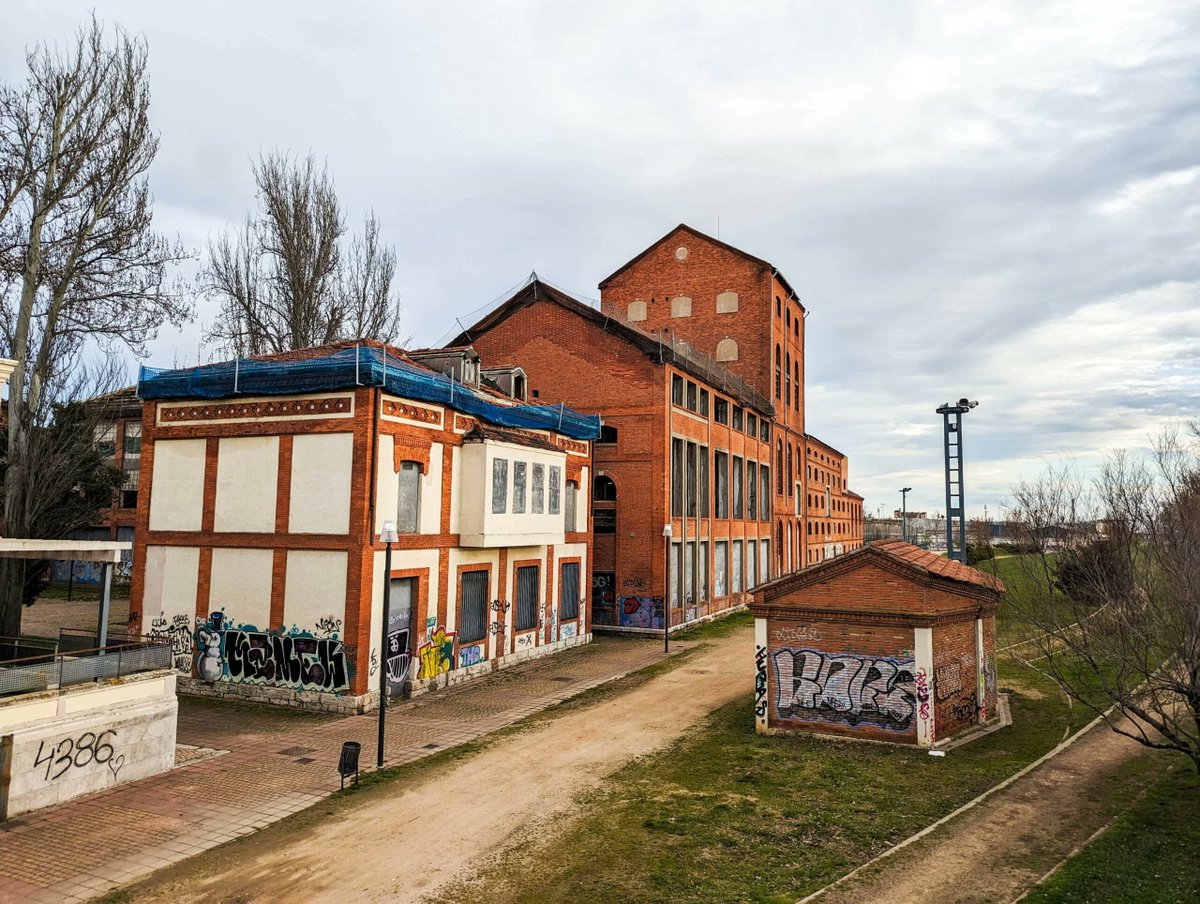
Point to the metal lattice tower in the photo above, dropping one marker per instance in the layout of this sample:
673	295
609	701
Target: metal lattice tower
956	515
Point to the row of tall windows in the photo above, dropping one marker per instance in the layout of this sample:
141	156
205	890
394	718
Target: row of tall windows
737	565
474	599
529	488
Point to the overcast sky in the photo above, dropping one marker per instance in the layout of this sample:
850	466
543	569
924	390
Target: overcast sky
996	200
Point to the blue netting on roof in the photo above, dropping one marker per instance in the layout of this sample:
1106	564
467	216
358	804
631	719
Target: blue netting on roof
345	369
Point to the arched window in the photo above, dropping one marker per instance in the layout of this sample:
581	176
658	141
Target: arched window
791	481
604	490
797	396
787	393
778	365
608	434
408	500
778	307
727	303
727	350
779	468
637	311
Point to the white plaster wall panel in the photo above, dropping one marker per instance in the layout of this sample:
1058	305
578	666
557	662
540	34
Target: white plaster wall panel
387	483
315	587
761	703
241	586
926	700
431	492
113	745
171	577
247	479
456	488
320	484
480	526
177	488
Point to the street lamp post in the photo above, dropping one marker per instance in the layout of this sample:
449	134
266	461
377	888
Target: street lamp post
955	507
388	536
666	613
904	491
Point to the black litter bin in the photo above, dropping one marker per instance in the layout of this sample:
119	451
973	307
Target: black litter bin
348	761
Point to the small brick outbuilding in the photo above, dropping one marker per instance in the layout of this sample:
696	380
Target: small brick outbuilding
888	643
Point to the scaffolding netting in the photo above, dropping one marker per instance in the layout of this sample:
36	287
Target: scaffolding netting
349	368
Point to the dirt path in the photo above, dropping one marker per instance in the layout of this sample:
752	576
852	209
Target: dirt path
435	829
1000	848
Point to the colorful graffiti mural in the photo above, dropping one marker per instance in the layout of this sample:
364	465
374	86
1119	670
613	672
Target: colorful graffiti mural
470	656
437	656
844	687
641	612
294	658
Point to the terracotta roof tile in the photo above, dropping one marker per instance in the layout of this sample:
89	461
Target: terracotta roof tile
937	565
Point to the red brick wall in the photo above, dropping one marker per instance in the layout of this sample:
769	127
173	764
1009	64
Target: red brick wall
845	679
955	677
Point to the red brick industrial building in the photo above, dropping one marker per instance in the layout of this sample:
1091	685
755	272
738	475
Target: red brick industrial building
695	361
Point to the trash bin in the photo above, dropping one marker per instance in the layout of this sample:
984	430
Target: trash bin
348	761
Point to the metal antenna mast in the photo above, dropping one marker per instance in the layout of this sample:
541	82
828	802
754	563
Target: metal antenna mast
956	518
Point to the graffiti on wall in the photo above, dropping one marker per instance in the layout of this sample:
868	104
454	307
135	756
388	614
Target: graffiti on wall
801	634
525	641
760	681
966	709
470	656
641	612
947	681
295	658
437	656
80	752
844	687
397	656
604	598
179	632
925	712
568	631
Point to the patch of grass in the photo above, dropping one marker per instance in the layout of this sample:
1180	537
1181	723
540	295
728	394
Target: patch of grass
86	593
725	814
1150	853
718	627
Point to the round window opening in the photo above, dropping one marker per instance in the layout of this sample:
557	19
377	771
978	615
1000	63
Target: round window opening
681	253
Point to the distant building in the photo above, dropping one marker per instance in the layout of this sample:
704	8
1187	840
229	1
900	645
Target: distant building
267	483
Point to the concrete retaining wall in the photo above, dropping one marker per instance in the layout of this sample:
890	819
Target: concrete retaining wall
56	746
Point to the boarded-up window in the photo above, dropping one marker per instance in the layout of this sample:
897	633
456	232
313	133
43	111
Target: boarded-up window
637	311
569	508
408	502
681	306
689	573
676	555
539	489
528	584
555	489
677	477
764	565
751	563
721	460
720	567
704	481
727	350
751	490
736	577
499	486
472	619
569	605
519	468
691	480
738	498
703	592
727	303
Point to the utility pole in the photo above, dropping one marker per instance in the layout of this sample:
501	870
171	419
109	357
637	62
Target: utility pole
904	491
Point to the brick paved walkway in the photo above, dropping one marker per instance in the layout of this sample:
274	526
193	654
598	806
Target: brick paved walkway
276	763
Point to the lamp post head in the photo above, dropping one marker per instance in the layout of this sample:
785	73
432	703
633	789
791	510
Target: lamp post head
388	534
906	489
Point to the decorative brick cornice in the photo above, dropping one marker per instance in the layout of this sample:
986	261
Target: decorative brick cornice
412	412
273	408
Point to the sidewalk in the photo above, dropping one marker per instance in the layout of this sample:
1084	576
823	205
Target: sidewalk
276	764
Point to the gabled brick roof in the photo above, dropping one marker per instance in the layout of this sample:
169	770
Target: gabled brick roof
931	563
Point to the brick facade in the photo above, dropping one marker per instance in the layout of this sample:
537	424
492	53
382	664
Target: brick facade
884	644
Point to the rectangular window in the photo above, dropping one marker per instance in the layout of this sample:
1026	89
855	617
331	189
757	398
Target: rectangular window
675	554
499	486
689	574
539	490
677	391
764	496
738	497
736	578
721	460
106	440
702	592
765	431
704	402
528	591
737	418
751	424
555	490
569	508
704	480
721	411
408	506
720	568
752	490
691	396
519	468
751	562
764	566
676	478
691	480
569	594
473	607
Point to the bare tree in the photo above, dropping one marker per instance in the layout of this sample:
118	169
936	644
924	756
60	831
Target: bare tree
1127	634
79	261
283	281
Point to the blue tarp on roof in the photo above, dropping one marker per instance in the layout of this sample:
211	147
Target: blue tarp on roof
346	369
